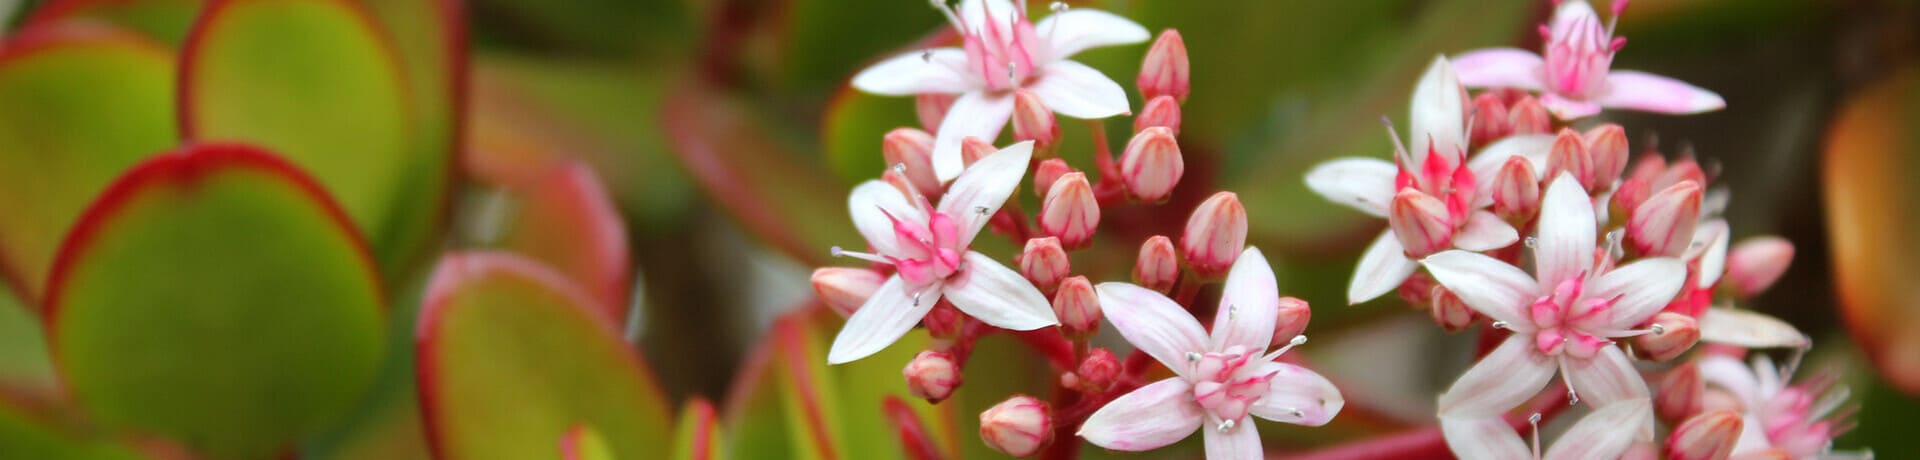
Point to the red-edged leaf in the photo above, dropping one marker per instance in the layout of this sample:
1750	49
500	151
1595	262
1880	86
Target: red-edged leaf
698	436
165	20
565	219
1869	197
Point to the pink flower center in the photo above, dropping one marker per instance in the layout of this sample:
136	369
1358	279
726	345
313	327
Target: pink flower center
1578	55
1002	55
929	251
1560	317
1226	386
1444	176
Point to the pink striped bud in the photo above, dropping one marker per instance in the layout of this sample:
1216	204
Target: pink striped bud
1161	111
1077	307
1151	165
1516	190
844	289
1070	211
1677	395
1526	116
932	375
1663	225
1033	121
910	152
1294	314
1631	192
932	108
1215	234
1569	155
1047	173
1044	263
1642	450
1449	311
1673	334
1708	436
972	149
1164	71
1421	222
1754	264
1158	266
1607	145
1097	372
1490	120
1019	426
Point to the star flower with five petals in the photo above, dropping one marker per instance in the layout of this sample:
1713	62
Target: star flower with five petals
1573	72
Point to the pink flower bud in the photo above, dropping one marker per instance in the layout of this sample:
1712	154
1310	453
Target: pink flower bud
1161	111
932	375
1754	264
1569	155
844	289
1164	71
1663	224
1097	372
1157	267
972	149
1516	190
1490	120
1070	211
1642	450
1047	173
1708	436
932	108
1629	195
943	322
1044	263
1677	395
1421	222
1033	121
1673	334
1077	306
1215	234
1607	145
910	152
1449	311
1151	165
1019	426
1294	314
1526	116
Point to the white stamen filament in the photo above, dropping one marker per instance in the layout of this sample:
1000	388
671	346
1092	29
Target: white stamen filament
1500	325
952	18
1399	149
837	252
1057	7
1226	425
1535	421
1298	340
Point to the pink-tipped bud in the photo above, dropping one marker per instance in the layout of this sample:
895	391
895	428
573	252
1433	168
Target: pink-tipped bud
1607	145
1673	334
1077	306
910	152
972	149
1421	222
1070	212
1677	395
1164	71
1098	372
1708	436
1490	120
1294	314
1215	234
932	375
1569	155
1019	426
1449	311
844	289
1628	196
1754	264
1516	190
1151	165
1663	224
1033	121
1045	263
1162	112
932	109
1047	173
1526	116
1158	266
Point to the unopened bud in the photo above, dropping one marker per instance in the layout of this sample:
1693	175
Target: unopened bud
1516	190
972	149
1019	426
1673	334
1292	319
1158	266
1044	263
1754	264
1629	195
932	375
1164	71
1663	225
1449	311
1077	306
932	109
1681	170
1607	145
1098	372
910	151
1569	155
1708	436
1161	111
1151	165
1070	212
1526	116
844	289
1047	173
1215	234
1490	121
1678	394
943	322
1421	222
1033	121
1641	450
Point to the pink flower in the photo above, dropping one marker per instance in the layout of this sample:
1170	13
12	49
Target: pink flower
1596	436
1223	380
1573	74
1787	420
1003	52
927	247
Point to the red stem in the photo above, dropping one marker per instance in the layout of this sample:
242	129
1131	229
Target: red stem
1187	289
1428	442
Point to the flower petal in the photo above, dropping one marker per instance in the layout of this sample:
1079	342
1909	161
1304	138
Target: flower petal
1298	390
1365	184
1072	31
1148	418
978	13
1485	232
1711	240
1487	163
1749	329
1153	323
938	70
1568	109
978	193
1502	380
1598	435
1486	284
1640	288
1606	378
886	316
1382	268
1483	437
1564	247
975	114
1240	443
870	203
1499	68
997	295
1628	89
1078	91
1249	304
1730	374
1438	111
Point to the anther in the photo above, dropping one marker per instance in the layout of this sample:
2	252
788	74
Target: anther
1535	421
1499	324
1193	356
926	56
1532	241
1058	7
900	168
1659	329
981	210
1296	412
1226	425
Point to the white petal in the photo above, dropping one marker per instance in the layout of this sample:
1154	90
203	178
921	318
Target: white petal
1075	90
1642	288
1499	68
1749	329
1486	284
1568	13
1487	163
939	70
1249	304
1653	93
997	295
1566	108
1382	268
1153	323
1607	378
975	114
870	203
889	314
1485	232
977	12
1713	238
1148	418
1077	30
1438	111
1298	390
1365	184
1483	437
1240	443
1502	380
979	192
1564	247
1598	435
1730	374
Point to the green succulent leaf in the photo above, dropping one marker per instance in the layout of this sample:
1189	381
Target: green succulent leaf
165	20
566	220
698	435
582	442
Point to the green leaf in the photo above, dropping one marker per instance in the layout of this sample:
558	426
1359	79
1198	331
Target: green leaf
216	295
25	435
582	442
430	39
23	347
511	354
698	435
565	220
165	20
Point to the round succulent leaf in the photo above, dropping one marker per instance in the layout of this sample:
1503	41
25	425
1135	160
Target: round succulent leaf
165	20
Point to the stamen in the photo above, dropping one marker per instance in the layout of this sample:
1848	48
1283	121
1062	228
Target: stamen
1057	7
1233	312
916	299
1193	356
1573	397
1535	421
1532	242
1659	329
1298	340
1296	412
952	18
1500	325
926	56
1399	149
837	252
1793	362
981	210
1226	425
900	168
